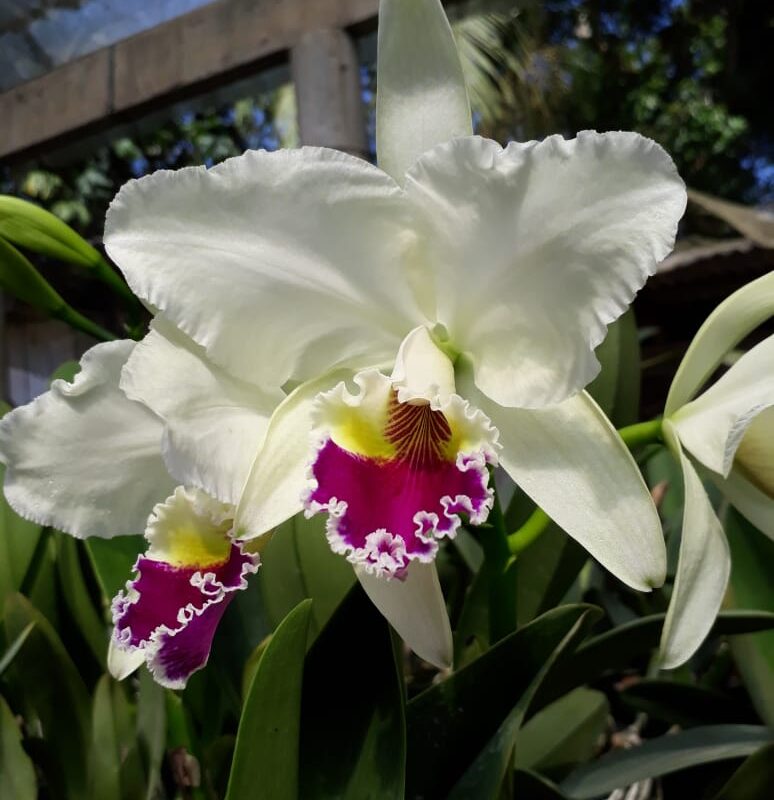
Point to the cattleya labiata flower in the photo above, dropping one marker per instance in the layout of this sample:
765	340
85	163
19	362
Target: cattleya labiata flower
435	315
86	459
728	429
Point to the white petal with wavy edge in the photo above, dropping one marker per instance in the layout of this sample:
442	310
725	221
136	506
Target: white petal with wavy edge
723	329
571	461
749	500
714	425
279	475
421	100
215	424
416	609
83	457
537	247
703	567
280	264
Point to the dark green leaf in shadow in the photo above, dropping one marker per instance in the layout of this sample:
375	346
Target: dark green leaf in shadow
484	778
104	759
545	571
151	730
353	744
752	556
753	780
17	775
529	785
13	648
266	755
661	756
615	648
685	704
452	722
564	734
79	603
298	563
53	692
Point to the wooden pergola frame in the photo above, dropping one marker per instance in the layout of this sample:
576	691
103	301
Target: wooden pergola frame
193	54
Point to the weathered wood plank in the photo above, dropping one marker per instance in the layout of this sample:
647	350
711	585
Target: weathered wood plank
202	50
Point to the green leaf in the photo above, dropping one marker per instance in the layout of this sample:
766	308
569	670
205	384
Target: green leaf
531	786
353	735
484	778
66	371
661	756
266	756
79	603
452	722
18	540
752	555
617	387
113	560
684	704
104	759
753	780
14	648
21	279
563	734
298	563
545	571
616	648
53	692
151	730
17	775
36	229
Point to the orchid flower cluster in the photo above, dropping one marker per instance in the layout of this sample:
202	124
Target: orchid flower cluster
369	343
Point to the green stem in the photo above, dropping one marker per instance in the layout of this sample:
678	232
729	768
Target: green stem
529	531
642	433
81	323
502	584
633	436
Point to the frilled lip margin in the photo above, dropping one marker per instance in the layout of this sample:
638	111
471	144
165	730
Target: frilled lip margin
170	614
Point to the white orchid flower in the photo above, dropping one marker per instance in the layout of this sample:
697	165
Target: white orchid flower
485	275
88	460
729	430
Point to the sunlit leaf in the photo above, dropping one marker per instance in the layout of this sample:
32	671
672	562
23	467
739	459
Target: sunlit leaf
266	755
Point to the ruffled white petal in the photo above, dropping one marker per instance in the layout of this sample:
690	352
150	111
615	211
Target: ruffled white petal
416	609
422	371
702	570
725	327
82	457
215	424
750	501
279	476
714	425
538	247
421	100
570	460
280	264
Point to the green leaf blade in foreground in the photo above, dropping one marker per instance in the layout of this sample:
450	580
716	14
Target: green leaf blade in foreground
753	780
451	723
104	758
17	775
353	732
113	560
661	756
266	756
53	691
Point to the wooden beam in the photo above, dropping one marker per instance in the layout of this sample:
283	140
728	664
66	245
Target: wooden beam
196	52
